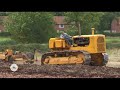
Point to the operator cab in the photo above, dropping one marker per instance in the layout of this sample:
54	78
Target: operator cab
81	41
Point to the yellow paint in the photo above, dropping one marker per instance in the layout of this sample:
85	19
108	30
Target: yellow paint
5	54
65	60
57	43
93	47
9	52
93	30
52	42
96	46
2	56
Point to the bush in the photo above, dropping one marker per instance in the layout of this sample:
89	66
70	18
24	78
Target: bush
25	47
112	34
8	42
5	34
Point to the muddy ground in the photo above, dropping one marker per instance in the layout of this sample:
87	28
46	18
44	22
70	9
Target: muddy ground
58	71
111	70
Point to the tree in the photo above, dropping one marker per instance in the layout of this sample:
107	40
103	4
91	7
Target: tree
86	20
106	20
30	27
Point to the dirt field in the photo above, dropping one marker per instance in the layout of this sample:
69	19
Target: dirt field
111	70
114	58
61	71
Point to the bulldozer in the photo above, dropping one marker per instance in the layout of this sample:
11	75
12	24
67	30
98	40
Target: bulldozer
16	56
79	49
85	49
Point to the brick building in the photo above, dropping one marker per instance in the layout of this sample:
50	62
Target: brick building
2	29
60	23
115	25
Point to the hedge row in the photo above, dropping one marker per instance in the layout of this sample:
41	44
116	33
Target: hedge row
5	34
25	47
112	34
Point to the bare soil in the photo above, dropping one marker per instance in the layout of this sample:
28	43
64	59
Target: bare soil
58	71
111	70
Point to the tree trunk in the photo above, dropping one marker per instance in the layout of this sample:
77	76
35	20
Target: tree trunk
78	27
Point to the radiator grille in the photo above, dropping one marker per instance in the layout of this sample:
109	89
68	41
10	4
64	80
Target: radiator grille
100	44
100	40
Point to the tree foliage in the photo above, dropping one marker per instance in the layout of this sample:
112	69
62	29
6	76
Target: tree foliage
106	20
59	13
30	27
87	20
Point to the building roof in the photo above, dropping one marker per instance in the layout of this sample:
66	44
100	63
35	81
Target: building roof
59	19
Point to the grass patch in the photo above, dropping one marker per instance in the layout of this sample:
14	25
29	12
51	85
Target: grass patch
113	39
7	41
114	54
113	42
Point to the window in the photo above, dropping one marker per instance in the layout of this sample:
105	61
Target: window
61	25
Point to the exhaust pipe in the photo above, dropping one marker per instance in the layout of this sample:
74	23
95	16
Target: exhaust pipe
93	31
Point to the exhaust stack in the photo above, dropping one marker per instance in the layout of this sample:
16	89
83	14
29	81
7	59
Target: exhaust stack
93	31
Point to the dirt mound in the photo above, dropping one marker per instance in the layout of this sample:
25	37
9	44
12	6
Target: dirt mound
58	71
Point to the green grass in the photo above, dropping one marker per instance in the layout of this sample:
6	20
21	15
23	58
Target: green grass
113	39
7	41
113	42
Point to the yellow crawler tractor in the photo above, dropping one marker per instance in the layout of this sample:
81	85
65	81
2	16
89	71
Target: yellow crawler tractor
16	56
84	49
